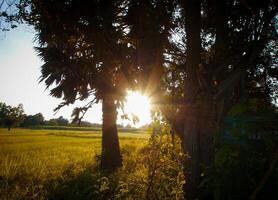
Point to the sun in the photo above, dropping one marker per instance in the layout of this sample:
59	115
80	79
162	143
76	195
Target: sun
138	105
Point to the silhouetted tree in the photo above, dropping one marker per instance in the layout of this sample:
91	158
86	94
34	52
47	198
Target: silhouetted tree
83	45
12	13
148	35
223	57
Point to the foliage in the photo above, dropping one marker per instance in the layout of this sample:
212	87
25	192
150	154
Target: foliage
33	120
85	60
222	58
164	162
246	156
86	124
11	116
77	62
10	14
152	172
148	35
3	108
60	121
255	106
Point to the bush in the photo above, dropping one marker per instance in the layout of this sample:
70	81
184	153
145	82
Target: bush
152	172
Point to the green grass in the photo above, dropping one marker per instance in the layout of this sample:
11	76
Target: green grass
35	164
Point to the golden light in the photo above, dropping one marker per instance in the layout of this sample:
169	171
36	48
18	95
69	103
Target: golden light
138	105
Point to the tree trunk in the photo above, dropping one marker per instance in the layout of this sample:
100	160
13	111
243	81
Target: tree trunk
191	147
206	129
111	157
197	144
197	135
191	137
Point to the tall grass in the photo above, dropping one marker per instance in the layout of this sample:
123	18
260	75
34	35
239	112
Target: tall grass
63	164
29	158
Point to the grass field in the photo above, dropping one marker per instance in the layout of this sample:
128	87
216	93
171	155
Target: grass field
54	164
91	129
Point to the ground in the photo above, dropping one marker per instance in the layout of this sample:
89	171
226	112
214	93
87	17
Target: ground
55	164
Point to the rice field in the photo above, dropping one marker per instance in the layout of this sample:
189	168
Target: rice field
34	163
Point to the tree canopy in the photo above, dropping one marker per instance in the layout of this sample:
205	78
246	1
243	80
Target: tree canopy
83	48
33	120
219	61
11	116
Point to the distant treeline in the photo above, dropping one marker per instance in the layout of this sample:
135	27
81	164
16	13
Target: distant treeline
15	117
73	127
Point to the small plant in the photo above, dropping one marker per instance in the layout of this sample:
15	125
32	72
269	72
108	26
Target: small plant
163	160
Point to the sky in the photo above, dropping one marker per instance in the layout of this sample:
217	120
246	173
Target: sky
19	75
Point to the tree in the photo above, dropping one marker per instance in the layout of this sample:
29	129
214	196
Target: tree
222	59
12	13
8	15
83	48
148	36
3	109
33	120
61	121
51	122
11	116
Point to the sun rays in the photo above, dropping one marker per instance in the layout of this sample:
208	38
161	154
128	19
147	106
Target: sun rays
138	106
